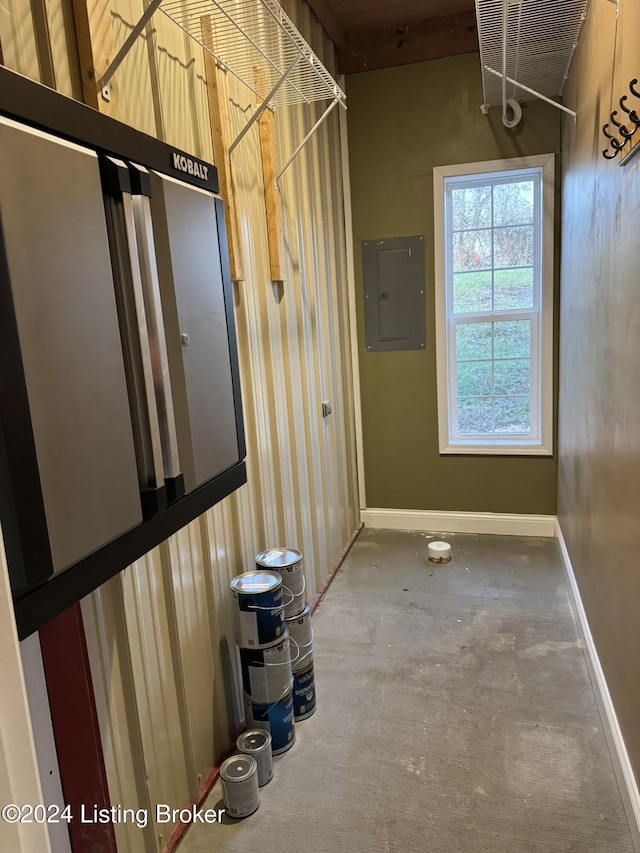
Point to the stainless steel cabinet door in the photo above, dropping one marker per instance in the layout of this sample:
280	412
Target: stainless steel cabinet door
55	241
189	270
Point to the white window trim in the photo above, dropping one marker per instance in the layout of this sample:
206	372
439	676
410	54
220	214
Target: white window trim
507	447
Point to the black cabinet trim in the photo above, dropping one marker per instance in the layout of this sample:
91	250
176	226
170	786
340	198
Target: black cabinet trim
66	588
231	326
35	104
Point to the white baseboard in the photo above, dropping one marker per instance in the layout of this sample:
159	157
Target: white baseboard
619	756
460	522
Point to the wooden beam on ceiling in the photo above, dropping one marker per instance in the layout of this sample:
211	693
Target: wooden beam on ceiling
328	21
433	38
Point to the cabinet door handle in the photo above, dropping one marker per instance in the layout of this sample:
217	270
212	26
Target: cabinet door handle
157	341
146	353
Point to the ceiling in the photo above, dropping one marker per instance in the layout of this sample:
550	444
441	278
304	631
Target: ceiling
373	34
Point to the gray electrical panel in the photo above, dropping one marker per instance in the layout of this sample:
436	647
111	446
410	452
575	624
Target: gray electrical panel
394	285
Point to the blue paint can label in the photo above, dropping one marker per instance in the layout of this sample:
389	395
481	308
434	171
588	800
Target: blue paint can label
274	717
258	609
304	693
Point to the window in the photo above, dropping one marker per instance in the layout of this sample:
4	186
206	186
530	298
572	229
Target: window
494	306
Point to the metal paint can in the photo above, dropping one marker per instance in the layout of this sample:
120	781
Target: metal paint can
258	616
304	693
257	744
288	563
239	777
266	672
301	635
275	717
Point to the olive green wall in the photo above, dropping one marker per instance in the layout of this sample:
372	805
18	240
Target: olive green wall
402	122
599	472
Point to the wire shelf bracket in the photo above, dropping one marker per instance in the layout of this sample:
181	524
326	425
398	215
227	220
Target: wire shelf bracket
533	92
254	40
527	45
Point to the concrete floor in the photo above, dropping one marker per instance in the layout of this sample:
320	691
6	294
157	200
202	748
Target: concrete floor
455	713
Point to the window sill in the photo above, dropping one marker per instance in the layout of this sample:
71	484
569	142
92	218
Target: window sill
485	449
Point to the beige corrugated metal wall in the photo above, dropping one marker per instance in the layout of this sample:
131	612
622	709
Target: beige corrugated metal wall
19	782
160	634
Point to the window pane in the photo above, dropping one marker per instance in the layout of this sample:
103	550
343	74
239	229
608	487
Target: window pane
471	291
474	378
473	340
513	414
513	203
472	250
512	376
513	289
513	247
512	339
493	307
475	416
471	208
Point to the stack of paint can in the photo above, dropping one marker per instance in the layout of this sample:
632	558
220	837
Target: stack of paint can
287	562
265	658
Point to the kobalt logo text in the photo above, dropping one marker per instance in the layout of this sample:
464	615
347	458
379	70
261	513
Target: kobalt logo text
186	164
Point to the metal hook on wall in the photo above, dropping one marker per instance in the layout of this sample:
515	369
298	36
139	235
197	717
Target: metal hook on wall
614	122
617	143
633	115
614	143
624	131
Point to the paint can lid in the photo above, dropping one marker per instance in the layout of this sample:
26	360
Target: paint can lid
254	740
278	558
251	583
439	552
300	616
238	768
284	697
253	651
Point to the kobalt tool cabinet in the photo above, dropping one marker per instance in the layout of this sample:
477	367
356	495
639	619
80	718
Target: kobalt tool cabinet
120	409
